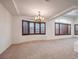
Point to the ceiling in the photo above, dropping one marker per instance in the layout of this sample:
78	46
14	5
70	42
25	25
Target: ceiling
30	8
71	14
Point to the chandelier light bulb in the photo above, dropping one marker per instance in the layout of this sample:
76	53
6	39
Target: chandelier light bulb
39	18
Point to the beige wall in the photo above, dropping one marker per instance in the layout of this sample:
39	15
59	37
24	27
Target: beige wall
5	29
75	20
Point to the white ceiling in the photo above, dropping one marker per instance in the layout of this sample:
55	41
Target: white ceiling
30	8
72	14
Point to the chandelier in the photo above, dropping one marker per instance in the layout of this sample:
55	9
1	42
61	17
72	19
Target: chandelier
39	18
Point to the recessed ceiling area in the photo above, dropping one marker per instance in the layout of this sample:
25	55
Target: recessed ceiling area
72	14
30	8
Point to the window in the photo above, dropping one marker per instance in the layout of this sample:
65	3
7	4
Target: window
25	28
69	29
30	28
62	29
42	28
57	29
76	29
37	28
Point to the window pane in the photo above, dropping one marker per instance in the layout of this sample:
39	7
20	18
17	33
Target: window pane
42	28
69	29
76	29
31	27
56	28
25	27
63	29
37	28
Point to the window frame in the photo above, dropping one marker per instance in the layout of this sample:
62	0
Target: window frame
34	28
29	28
44	28
75	29
23	27
59	28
